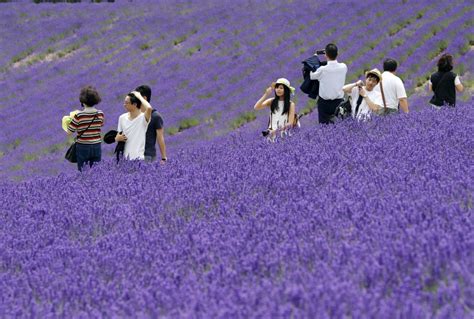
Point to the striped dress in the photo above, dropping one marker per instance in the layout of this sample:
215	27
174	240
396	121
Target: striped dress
81	121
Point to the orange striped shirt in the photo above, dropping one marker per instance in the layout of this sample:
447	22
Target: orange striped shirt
81	121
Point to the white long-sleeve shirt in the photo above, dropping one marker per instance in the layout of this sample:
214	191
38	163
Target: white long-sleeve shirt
332	78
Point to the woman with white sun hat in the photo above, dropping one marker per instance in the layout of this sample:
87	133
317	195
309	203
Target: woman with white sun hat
282	109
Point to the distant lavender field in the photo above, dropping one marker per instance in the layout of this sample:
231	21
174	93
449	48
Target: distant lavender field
207	61
355	220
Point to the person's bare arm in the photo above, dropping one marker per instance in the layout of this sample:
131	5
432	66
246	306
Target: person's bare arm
372	106
459	87
291	115
403	104
160	139
348	87
145	104
262	103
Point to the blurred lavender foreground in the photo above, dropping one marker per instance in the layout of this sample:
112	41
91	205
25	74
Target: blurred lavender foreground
357	220
244	228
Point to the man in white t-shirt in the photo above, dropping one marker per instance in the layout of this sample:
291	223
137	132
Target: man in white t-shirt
365	100
132	126
393	87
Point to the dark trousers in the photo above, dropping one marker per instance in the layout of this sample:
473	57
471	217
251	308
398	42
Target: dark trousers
88	153
327	109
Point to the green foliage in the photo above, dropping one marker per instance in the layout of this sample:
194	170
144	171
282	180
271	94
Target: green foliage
171	130
22	55
398	42
193	50
126	39
310	106
242	119
183	84
460	68
188	123
205	95
298	43
30	157
399	26
145	46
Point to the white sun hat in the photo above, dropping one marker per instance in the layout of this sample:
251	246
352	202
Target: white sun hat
286	83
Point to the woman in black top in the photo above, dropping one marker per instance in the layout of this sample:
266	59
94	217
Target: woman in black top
444	83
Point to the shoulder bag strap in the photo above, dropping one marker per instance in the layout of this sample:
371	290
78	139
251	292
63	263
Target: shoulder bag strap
79	135
383	96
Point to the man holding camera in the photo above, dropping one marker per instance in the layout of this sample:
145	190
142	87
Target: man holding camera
365	100
331	80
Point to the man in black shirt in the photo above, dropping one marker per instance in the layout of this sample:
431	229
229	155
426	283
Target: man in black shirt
155	131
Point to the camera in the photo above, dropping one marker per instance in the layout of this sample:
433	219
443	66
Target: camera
320	52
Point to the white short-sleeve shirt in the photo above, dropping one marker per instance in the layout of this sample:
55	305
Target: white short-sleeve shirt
393	89
135	131
364	110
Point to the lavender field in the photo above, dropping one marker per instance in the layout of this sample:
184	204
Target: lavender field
355	220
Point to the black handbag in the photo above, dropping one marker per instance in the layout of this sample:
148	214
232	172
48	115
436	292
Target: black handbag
71	154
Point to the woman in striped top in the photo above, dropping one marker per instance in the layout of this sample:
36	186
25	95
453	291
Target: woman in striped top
87	124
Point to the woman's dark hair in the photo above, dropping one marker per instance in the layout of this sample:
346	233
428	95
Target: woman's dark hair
134	100
89	96
445	63
286	99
